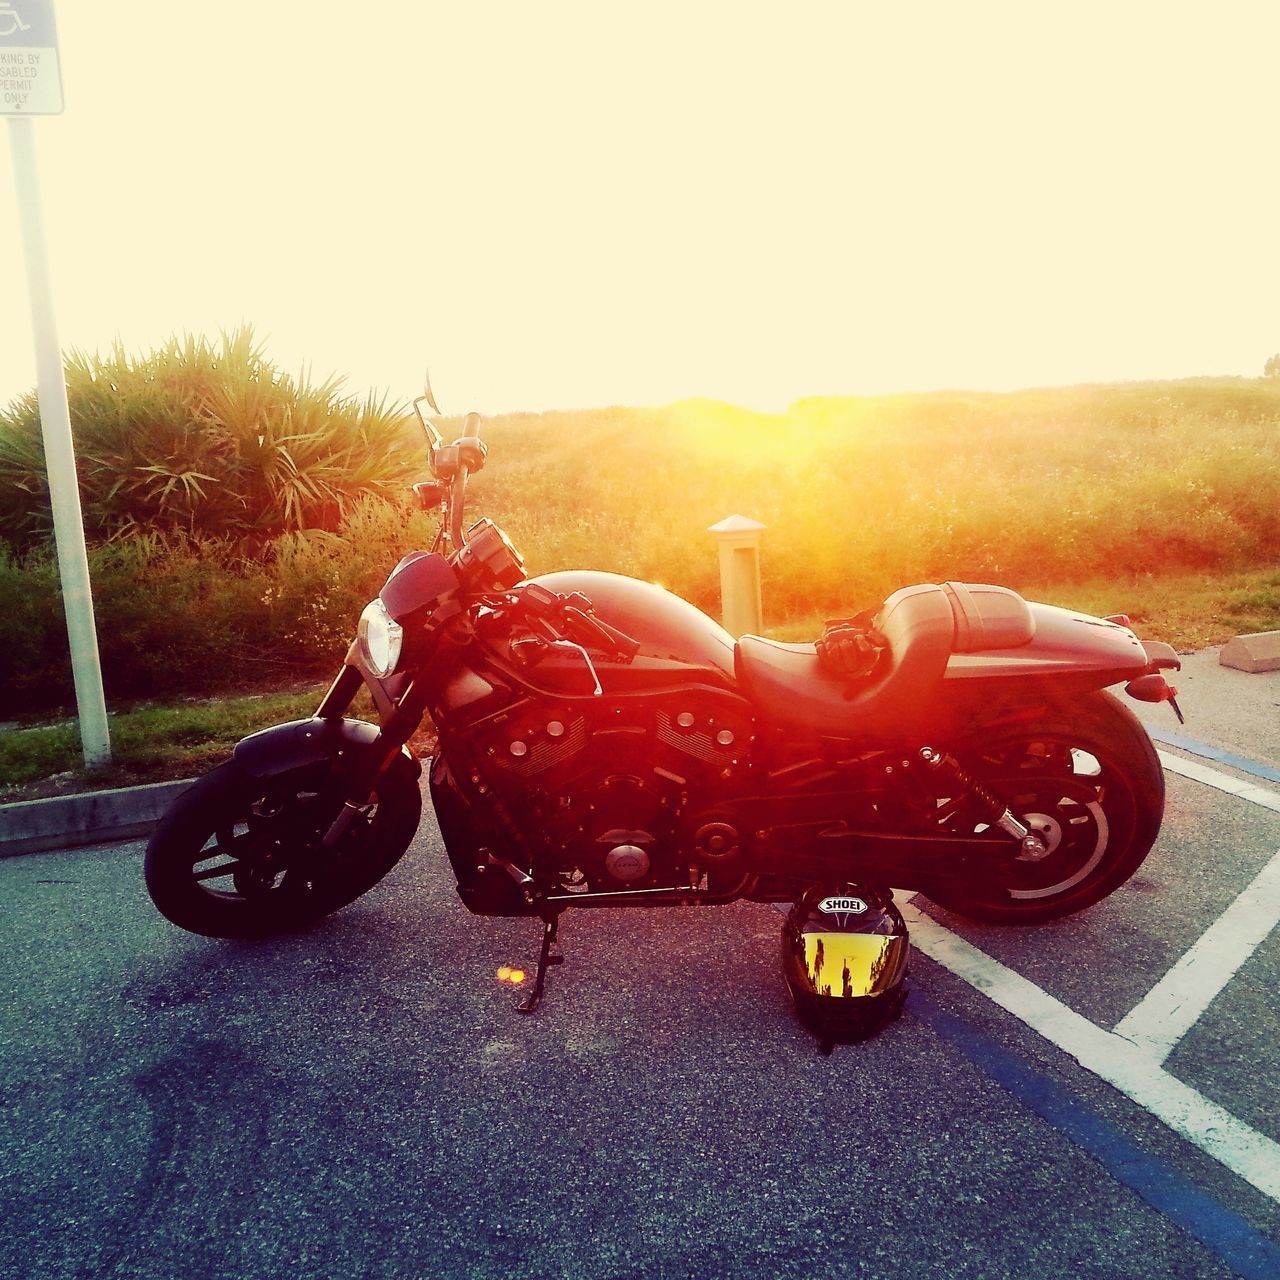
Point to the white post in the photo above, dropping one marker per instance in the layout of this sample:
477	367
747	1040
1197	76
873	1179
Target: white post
59	454
739	540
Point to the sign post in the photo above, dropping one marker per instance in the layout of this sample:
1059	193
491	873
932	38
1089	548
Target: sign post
31	84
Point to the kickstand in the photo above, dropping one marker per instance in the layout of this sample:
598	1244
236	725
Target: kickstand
551	924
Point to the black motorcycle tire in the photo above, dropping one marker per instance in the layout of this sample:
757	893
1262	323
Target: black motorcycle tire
1129	804
227	806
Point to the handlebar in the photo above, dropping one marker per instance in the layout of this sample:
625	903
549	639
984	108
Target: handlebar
458	488
451	465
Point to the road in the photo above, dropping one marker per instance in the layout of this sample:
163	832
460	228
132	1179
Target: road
362	1101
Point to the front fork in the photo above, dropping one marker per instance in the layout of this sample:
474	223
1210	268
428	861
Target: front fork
341	694
398	726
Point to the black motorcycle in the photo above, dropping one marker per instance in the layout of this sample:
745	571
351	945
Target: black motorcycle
603	743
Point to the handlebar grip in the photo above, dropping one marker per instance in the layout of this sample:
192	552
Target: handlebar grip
472	451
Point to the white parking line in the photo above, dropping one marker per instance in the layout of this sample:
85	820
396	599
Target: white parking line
1173	1006
1249	791
1245	1151
1131	1057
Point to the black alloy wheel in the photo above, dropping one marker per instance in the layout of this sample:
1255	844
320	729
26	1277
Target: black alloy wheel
238	856
1088	782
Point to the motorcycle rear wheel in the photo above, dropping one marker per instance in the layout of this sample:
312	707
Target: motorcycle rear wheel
1088	780
239	857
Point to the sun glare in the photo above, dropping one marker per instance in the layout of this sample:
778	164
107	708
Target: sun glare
718	429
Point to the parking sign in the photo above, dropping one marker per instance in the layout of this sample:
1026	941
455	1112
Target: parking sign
30	79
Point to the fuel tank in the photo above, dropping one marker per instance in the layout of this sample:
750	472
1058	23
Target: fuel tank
678	642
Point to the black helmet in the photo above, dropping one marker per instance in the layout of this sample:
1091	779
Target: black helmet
844	955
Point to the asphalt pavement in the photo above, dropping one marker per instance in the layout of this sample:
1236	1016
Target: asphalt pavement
1233	710
362	1100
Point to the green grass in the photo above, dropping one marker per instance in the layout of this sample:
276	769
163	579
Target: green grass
152	743
148	742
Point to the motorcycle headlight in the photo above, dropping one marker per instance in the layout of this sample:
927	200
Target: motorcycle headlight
380	638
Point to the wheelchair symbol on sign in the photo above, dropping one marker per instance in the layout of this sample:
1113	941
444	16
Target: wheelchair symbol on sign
10	20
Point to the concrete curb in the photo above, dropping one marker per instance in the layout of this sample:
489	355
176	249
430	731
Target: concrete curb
91	817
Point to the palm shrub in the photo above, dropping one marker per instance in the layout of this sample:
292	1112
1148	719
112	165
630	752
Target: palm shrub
207	439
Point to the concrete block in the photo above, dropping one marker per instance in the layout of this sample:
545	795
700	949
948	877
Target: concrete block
1258	652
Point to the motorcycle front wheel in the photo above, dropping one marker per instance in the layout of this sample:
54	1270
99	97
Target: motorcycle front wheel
240	857
1086	780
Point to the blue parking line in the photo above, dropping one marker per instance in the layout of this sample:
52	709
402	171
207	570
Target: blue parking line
1243	763
1244	1249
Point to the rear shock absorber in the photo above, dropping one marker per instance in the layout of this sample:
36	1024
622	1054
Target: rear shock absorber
993	809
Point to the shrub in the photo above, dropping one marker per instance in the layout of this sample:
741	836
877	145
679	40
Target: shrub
182	616
211	440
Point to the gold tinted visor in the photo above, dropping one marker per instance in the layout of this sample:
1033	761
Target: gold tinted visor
851	964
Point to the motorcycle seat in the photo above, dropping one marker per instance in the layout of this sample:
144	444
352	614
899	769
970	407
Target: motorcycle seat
792	689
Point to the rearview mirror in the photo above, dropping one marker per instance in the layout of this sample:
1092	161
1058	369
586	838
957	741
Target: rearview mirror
426	392
434	438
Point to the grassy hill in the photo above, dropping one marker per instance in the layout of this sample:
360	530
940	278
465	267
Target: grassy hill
1076	489
1161	500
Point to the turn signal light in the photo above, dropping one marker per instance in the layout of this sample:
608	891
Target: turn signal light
1155	688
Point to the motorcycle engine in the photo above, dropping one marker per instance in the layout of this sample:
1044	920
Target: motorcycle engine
601	790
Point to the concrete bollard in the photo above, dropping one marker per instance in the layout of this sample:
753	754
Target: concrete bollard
739	540
1253	653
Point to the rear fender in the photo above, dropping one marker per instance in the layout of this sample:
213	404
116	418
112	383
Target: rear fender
1082	649
302	742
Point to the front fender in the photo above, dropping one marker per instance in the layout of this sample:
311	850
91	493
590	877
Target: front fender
302	742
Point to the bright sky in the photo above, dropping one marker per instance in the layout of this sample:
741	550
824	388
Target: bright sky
581	204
